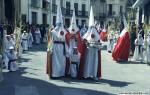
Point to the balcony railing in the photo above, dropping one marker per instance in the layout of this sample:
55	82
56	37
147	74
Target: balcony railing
35	5
68	12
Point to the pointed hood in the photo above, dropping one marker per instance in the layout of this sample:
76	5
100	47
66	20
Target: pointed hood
92	34
104	28
59	18
59	31
91	18
73	29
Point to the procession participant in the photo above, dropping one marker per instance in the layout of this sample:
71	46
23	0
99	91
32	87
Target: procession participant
122	47
75	61
110	41
24	40
132	38
138	52
74	38
7	43
12	64
37	36
103	34
58	48
83	31
30	39
92	65
148	49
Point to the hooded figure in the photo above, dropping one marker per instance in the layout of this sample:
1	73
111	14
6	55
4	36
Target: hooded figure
138	52
56	65
103	34
37	36
92	64
25	41
74	38
83	31
122	47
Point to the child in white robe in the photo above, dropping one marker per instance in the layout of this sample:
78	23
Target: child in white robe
12	64
75	60
138	52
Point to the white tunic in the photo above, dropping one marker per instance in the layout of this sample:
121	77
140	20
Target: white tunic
91	62
148	50
110	42
13	61
37	36
59	50
8	44
25	41
1	77
30	40
75	60
138	52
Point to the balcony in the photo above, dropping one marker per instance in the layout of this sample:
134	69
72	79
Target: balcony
35	5
45	5
67	12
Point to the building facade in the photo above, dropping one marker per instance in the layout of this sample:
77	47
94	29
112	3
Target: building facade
81	7
35	11
108	10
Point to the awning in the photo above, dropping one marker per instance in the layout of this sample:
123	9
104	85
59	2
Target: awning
140	3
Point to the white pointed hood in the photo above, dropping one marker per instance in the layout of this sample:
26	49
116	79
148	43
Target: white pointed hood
91	30
59	18
59	30
91	19
73	25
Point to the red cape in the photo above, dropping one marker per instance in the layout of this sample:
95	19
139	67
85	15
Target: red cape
103	36
121	50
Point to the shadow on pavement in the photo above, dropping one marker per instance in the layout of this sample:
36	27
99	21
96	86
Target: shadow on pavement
112	83
131	62
13	80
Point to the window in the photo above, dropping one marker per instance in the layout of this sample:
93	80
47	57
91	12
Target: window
83	22
103	1
121	9
34	18
44	18
23	17
54	20
83	9
35	3
67	7
77	21
67	22
110	10
76	8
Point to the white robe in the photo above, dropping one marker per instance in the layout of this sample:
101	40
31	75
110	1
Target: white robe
25	41
75	60
37	36
138	56
8	44
13	64
1	77
58	56
91	62
110	43
30	40
148	50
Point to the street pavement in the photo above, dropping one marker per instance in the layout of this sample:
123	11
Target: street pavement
128	78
